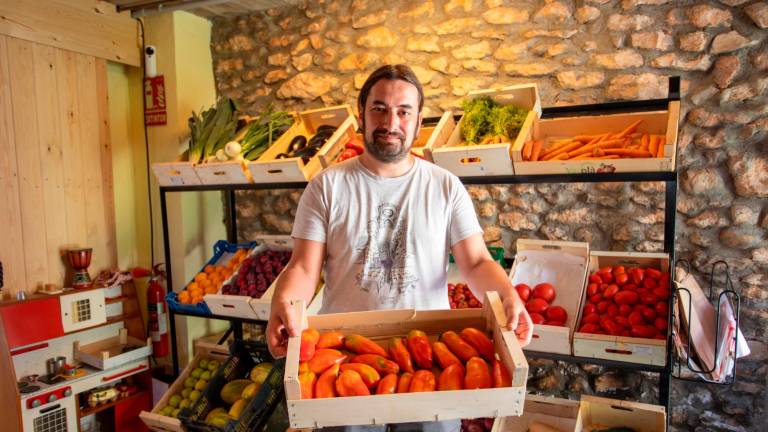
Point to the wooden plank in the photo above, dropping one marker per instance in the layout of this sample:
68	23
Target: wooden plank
72	149
23	90
52	167
15	273
84	26
10	407
97	216
105	152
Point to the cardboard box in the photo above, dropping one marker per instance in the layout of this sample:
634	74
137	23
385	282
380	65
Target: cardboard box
553	412
568	281
663	122
489	159
160	423
597	411
268	169
409	407
621	348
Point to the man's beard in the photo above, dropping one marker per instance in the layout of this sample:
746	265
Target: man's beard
386	151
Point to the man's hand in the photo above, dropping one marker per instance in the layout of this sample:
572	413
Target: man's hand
518	319
281	326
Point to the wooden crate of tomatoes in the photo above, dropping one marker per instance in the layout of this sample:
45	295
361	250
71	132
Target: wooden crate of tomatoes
400	366
625	308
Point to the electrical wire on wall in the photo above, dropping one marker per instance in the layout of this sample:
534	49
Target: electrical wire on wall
146	147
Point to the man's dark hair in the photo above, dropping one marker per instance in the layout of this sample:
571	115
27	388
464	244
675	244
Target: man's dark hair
390	72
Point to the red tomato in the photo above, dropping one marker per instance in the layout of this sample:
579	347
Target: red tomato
621	278
650	284
595	278
661	309
589	308
652	272
602	307
544	291
629	287
636	318
637	275
649	314
610	291
537	305
524	291
555	323
597	298
625	333
643	331
626	298
606	277
613	310
649	299
661	293
618	269
592	318
610	326
622	321
589	328
537	318
557	313
660	324
591	289
625	310
606	269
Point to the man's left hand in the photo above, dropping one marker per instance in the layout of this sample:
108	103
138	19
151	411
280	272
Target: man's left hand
518	319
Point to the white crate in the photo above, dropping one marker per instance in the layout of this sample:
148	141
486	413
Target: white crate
641	417
244	306
328	154
223	173
175	173
107	353
489	159
409	407
621	348
664	122
553	412
432	137
267	169
158	422
567	280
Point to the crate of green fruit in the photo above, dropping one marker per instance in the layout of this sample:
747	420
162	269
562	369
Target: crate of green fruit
186	389
242	394
492	122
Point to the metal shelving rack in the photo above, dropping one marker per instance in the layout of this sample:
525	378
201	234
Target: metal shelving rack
668	178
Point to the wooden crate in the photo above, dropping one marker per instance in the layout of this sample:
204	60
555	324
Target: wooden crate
621	348
554	412
328	154
222	173
158	422
107	353
663	122
432	136
409	407
244	306
641	417
267	169
568	282
489	159
175	173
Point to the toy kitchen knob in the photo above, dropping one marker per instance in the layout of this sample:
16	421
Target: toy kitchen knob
36	403
68	392
52	398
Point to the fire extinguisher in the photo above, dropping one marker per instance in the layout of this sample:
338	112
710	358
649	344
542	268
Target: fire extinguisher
158	327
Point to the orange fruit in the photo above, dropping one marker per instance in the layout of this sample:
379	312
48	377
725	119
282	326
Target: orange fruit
211	290
209	268
184	297
192	285
200	277
197	299
196	292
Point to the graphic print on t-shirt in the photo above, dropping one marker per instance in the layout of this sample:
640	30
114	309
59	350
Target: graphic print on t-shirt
387	267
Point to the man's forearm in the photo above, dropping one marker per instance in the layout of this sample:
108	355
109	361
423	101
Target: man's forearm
487	275
295	284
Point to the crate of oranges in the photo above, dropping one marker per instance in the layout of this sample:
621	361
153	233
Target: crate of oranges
225	261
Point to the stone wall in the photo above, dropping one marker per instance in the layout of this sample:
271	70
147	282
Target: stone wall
577	52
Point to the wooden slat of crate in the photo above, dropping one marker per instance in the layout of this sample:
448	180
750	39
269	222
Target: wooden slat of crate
621	348
641	417
160	423
175	173
432	137
489	159
547	338
657	122
398	408
554	412
107	354
328	154
226	172
267	169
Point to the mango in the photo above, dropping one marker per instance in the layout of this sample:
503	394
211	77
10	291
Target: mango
214	412
232	391
237	408
260	371
250	391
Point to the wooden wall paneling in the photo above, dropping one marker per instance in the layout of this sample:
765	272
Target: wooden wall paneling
28	161
11	254
51	158
105	152
70	116
84	26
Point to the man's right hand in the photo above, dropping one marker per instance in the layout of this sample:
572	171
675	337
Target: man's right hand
282	325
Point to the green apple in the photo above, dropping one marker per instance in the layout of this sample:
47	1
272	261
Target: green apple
185	403
175	412
203	363
174	401
196	373
190	382
195	395
185	393
201	385
206	375
167	411
213	365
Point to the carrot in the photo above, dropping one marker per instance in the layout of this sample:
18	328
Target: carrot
628	153
630	129
653	146
589	148
527	148
586	138
536	150
589	157
561	150
645	143
661	142
557	146
561	156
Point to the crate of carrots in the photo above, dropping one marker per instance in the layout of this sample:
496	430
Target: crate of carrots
225	260
627	142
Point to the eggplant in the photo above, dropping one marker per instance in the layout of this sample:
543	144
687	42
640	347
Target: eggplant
283	156
297	143
326	128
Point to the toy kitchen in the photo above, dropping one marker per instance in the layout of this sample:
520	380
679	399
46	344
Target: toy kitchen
74	361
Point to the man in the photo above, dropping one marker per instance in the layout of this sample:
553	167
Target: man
384	223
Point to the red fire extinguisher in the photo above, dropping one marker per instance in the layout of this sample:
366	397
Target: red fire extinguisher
158	327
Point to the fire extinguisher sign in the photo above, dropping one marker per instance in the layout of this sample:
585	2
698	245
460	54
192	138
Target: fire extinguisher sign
155	113
157	323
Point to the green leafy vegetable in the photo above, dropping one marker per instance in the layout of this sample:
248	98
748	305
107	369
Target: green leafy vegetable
212	129
264	131
484	117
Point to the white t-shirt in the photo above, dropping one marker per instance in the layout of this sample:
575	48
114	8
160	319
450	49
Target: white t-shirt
387	239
